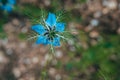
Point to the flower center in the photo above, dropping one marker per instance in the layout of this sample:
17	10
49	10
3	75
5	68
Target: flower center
50	34
4	2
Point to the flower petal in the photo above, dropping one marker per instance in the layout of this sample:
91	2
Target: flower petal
56	41
41	40
51	20
11	1
8	8
39	29
60	27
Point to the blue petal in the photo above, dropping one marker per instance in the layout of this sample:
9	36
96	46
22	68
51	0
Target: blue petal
39	29
51	20
11	1
41	40
60	27
56	41
8	8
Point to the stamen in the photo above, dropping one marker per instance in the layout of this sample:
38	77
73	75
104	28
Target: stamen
54	28
50	28
46	33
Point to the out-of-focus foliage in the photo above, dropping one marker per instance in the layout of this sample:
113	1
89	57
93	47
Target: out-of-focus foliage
104	57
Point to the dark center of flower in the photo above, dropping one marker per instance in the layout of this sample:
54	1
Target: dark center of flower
50	34
4	2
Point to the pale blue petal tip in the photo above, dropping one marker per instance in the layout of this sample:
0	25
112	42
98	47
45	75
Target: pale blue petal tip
41	40
60	27
8	8
12	1
38	28
51	20
56	41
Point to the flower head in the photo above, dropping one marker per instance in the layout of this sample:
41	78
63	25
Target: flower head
7	5
48	32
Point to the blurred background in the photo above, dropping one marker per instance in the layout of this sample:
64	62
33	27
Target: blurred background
92	53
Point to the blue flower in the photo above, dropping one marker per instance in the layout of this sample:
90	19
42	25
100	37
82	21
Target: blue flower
7	5
49	31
